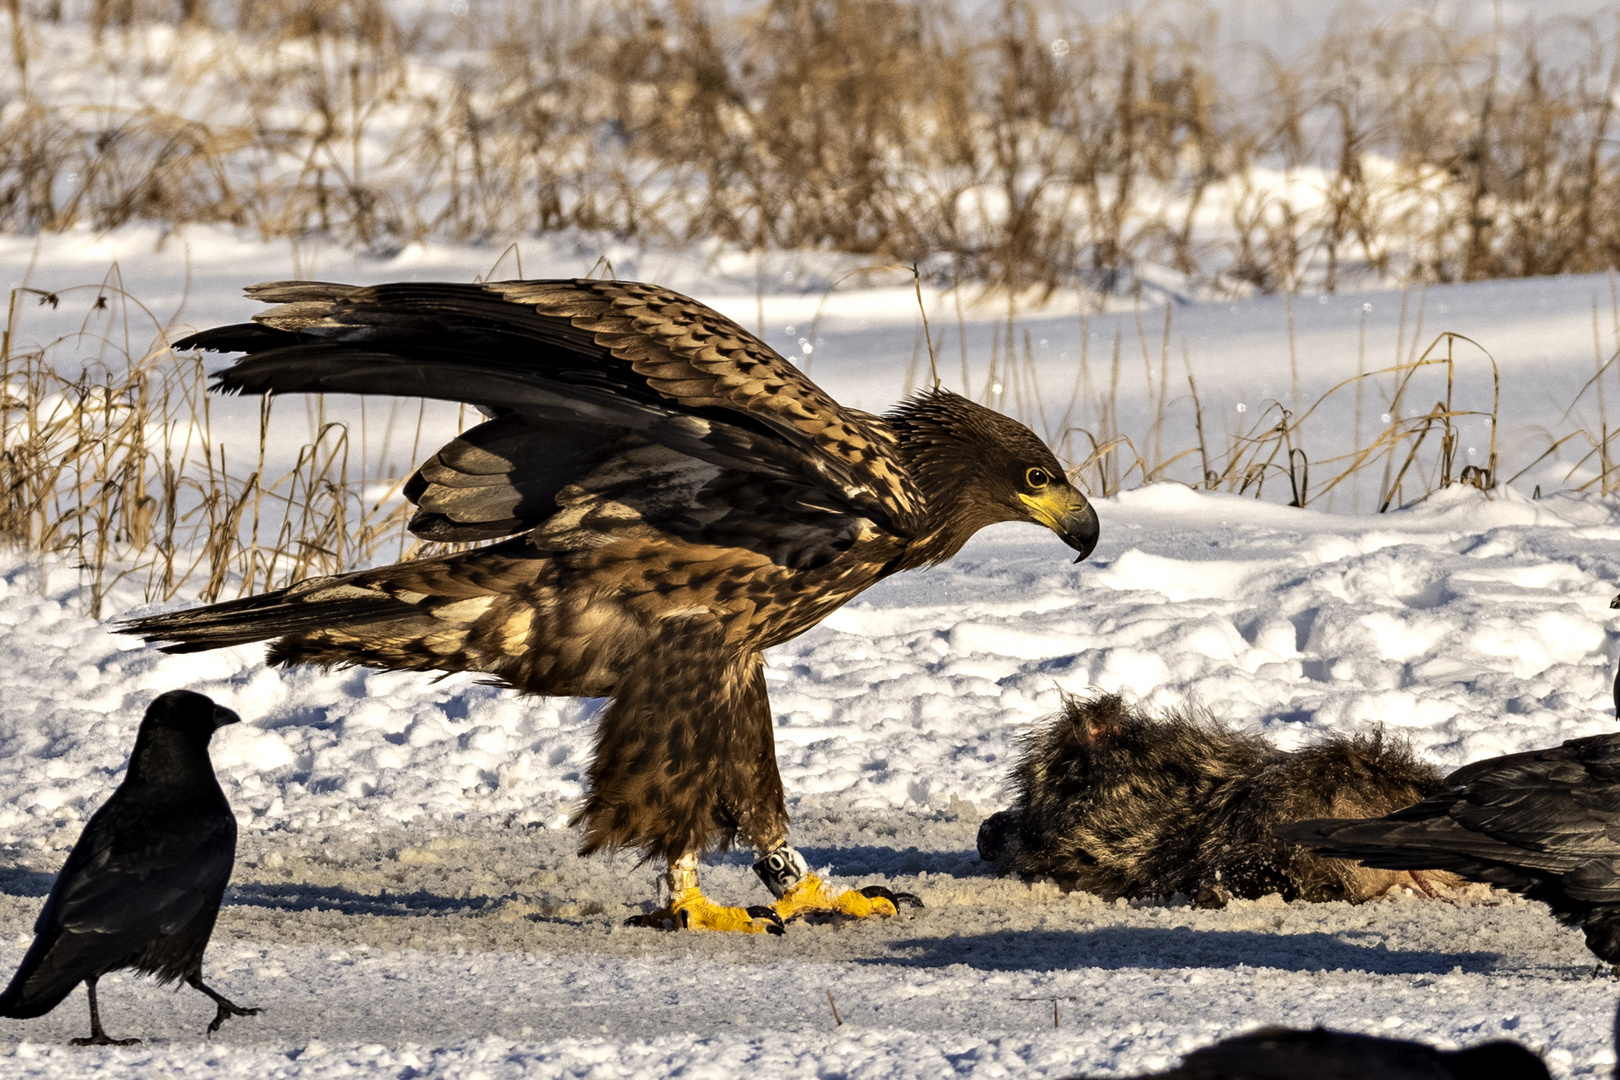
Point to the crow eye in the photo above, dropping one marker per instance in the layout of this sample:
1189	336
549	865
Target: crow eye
1037	478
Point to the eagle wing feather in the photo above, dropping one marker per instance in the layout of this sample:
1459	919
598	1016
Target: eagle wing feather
621	357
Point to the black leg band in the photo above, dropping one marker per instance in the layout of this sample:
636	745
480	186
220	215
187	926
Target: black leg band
780	869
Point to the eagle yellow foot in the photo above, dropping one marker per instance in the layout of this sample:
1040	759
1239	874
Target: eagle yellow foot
809	896
691	910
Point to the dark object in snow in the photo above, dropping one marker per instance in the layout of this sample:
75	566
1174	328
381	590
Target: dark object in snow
1319	1054
1615	603
1122	804
141	887
1544	823
675	496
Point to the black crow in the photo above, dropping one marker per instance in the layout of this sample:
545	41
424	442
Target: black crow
1319	1054
1545	824
141	887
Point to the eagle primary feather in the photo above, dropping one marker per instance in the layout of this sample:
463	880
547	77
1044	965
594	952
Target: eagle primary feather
668	496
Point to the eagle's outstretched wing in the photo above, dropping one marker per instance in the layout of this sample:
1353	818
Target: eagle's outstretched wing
561	364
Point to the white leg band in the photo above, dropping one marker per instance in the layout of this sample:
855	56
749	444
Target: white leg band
682	875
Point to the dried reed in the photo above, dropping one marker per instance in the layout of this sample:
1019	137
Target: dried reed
107	459
1034	146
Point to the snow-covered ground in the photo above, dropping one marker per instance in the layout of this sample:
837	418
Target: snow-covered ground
406	901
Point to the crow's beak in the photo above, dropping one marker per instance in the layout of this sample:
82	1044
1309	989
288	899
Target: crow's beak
1066	512
223	716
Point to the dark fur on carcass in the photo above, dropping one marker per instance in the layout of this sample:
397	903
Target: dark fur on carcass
1119	803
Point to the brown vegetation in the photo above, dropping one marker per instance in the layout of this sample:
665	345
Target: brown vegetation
107	459
1023	147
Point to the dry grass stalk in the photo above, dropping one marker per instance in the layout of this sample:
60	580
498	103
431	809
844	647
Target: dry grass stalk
1036	147
1413	464
110	462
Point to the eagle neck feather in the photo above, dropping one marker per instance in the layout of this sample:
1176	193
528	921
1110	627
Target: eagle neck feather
949	446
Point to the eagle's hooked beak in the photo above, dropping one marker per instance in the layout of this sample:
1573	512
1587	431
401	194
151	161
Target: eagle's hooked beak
1066	512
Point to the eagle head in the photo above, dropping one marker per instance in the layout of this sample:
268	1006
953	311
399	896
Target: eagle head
977	467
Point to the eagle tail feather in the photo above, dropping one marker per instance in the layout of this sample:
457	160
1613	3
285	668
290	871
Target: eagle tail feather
318	604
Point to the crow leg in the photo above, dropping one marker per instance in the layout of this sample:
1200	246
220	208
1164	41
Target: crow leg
1422	883
227	1007
689	909
800	893
1428	890
98	1037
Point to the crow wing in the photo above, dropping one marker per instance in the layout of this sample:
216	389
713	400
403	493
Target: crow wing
142	865
1282	1054
1514	820
581	365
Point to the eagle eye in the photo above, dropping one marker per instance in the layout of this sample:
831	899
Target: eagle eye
1037	478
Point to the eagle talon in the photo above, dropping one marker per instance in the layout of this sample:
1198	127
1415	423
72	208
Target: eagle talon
773	921
691	910
872	892
810	898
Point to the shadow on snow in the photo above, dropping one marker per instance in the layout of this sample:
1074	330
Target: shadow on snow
1120	947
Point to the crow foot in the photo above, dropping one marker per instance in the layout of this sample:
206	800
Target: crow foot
691	910
102	1039
228	1009
810	898
98	1036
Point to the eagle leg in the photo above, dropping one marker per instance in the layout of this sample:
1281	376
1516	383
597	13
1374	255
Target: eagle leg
800	893
689	909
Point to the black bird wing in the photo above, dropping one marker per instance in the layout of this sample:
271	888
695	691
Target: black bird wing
1282	1054
142	866
1550	814
579	363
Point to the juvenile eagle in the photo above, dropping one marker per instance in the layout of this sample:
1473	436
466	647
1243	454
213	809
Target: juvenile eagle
675	497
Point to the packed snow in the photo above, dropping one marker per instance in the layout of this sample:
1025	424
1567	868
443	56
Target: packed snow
406	899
